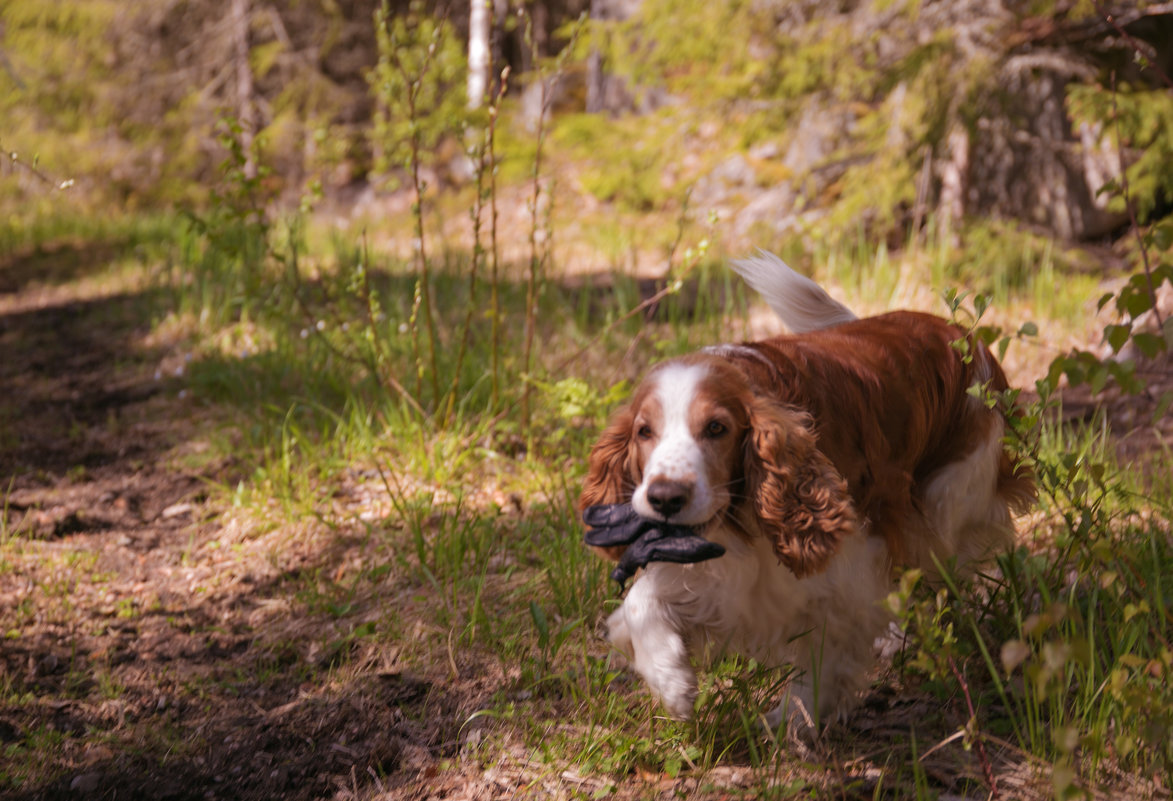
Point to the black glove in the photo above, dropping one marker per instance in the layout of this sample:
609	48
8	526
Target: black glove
613	524
649	540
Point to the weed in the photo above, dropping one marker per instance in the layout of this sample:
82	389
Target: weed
390	404
28	760
8	530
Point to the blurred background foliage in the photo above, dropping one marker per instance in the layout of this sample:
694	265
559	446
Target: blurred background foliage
873	118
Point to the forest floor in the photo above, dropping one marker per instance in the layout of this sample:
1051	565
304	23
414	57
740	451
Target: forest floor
153	647
147	633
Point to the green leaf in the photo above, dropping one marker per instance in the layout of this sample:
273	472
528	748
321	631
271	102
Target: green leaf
1149	344
987	333
1117	335
264	57
1074	370
982	392
1066	738
1163	404
980	304
1125	375
1162	235
952	299
1134	301
1132	610
1097	378
541	623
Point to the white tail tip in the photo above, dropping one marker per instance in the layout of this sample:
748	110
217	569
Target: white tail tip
799	302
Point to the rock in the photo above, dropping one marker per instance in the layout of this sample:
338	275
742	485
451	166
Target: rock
733	175
85	783
773	208
1032	164
821	130
176	509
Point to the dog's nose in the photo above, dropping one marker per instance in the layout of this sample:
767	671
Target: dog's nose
668	497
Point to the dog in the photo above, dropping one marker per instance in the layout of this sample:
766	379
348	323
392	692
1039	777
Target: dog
821	461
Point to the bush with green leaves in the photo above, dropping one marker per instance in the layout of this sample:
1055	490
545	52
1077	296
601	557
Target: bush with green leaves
418	86
1066	648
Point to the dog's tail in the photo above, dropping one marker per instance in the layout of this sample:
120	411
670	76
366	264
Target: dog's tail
799	302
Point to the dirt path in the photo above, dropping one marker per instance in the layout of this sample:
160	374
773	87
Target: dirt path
152	647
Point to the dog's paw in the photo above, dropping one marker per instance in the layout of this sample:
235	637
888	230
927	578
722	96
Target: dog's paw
619	633
678	695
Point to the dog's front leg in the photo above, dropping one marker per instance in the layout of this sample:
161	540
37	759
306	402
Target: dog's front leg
645	630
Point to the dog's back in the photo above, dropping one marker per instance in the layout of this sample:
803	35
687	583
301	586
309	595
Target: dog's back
892	401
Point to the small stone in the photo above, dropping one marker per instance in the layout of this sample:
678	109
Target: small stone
47	665
176	509
85	783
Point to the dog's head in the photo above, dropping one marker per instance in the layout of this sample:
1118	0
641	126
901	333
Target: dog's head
696	445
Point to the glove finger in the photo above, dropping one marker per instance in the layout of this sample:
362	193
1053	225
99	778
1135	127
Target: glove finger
683	550
620	576
612	524
629	563
638	554
657	545
614	535
607	515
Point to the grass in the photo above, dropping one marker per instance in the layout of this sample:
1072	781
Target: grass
357	549
522	593
453	550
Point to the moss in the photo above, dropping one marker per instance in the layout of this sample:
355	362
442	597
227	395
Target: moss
706	50
819	61
622	161
1140	121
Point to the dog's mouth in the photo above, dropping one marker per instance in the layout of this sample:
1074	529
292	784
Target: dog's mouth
680	520
712	524
662	540
700	520
698	514
700	528
634	540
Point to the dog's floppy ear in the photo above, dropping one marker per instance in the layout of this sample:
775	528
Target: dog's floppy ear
798	496
612	473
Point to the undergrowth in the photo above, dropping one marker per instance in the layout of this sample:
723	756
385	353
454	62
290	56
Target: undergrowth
456	395
1058	659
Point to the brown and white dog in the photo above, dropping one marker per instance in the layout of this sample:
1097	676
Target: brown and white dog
820	461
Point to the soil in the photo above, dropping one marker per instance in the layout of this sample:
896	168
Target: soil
149	649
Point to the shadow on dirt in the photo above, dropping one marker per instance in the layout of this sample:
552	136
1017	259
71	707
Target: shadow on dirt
136	664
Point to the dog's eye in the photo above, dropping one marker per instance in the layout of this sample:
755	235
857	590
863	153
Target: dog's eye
644	432
715	429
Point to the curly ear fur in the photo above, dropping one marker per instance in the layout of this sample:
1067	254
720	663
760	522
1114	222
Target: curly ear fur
799	497
612	471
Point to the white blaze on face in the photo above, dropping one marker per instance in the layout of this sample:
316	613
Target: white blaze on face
676	455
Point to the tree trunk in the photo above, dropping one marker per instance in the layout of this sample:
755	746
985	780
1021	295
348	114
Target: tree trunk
479	19
245	99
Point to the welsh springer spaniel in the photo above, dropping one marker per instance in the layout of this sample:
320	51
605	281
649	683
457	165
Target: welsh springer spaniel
820	461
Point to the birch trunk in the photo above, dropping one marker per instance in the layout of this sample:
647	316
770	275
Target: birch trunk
245	100
478	51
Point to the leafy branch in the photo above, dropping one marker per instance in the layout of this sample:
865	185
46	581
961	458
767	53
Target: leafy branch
34	170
